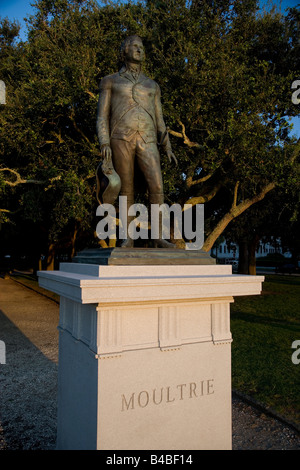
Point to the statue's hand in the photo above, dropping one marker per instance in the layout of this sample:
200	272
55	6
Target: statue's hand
106	152
171	156
107	158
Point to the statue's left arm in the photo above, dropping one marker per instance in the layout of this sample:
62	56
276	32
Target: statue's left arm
163	136
103	114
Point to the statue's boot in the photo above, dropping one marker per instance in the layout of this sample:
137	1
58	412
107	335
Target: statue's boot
128	242
160	242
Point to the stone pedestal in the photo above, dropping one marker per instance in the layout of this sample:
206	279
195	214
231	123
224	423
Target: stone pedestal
145	355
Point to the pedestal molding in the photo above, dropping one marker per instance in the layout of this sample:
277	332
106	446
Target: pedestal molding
148	288
105	331
220	323
169	327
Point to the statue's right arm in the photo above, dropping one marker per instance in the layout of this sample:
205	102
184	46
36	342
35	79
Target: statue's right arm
103	113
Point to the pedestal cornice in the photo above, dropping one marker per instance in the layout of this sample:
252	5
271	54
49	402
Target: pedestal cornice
114	284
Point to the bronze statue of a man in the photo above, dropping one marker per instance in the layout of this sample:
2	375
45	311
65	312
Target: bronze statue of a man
130	125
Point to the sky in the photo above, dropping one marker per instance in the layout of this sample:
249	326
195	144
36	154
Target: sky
19	9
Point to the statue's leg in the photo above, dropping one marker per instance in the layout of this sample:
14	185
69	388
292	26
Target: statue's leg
149	162
123	159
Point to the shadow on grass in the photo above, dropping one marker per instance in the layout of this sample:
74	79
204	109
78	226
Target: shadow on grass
277	323
277	279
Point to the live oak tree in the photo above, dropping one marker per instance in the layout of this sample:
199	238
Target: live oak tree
225	72
275	219
229	98
48	139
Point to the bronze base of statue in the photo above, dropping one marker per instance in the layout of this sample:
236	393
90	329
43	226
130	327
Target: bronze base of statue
160	243
143	256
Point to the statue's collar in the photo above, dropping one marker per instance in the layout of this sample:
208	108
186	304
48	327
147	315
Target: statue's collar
124	72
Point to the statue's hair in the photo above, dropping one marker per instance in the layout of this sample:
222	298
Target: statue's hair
126	43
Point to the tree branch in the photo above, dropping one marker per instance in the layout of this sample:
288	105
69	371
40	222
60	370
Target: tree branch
19	179
234	212
190	182
72	118
235	193
8	211
206	197
183	136
92	95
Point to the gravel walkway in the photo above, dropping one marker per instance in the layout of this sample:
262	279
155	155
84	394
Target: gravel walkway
28	381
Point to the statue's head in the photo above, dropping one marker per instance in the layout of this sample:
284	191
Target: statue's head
132	50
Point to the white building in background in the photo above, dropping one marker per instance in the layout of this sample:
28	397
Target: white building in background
225	250
230	251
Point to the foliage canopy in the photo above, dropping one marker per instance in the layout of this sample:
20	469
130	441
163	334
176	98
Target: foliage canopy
225	71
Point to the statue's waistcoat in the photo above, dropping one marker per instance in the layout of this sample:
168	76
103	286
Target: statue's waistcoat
132	106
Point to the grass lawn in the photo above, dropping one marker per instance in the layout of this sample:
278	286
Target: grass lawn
263	329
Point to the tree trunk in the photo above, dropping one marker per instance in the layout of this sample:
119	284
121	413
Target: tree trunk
243	257
73	240
50	258
112	242
37	264
234	212
252	254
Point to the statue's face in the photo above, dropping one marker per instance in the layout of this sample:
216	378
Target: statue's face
135	51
